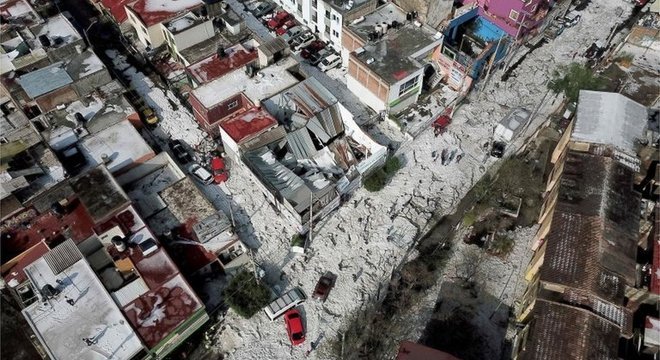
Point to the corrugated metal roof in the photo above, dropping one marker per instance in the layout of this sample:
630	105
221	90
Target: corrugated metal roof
63	256
271	47
45	80
301	144
609	118
130	292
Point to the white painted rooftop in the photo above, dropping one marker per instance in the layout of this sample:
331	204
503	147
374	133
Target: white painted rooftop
61	327
269	81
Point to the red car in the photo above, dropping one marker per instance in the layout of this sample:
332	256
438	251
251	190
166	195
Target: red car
283	29
294	327
312	48
323	286
219	170
278	20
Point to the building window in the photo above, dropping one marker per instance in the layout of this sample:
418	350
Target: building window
314	18
406	86
232	105
300	7
335	33
327	14
513	15
448	53
314	3
327	29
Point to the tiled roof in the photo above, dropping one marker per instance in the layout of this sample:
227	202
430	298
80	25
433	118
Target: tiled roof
592	242
560	331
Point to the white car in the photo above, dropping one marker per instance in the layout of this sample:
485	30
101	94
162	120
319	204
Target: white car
330	62
200	174
302	41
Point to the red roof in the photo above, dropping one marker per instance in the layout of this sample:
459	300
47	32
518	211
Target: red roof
167	9
409	350
27	228
214	66
249	124
158	312
169	301
116	9
15	272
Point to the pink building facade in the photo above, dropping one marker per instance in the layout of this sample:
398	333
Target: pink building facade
516	17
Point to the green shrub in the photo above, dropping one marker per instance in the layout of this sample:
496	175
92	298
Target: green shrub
392	165
376	181
297	240
573	78
469	218
246	295
501	245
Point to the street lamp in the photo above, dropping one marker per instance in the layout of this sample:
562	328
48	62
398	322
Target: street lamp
86	30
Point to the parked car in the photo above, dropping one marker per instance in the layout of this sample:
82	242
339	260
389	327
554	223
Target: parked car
302	41
330	62
201	174
263	9
323	286
180	153
294	327
294	32
284	28
149	116
289	300
497	149
312	48
219	170
278	20
317	57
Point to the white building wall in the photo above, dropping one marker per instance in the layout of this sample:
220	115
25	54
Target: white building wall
410	97
366	96
192	36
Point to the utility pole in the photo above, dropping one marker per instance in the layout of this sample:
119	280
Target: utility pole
311	216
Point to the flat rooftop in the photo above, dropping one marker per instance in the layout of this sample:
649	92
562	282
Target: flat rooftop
62	327
144	182
267	82
99	193
168	301
183	22
19	9
84	64
249	124
28	228
206	48
387	13
153	12
58	29
14	274
215	66
121	143
344	6
392	57
45	80
186	202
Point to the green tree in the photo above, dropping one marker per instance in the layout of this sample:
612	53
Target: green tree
246	295
573	78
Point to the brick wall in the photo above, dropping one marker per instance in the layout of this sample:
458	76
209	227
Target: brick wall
368	79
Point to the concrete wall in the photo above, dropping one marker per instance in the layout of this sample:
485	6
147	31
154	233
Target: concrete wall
366	96
208	119
152	36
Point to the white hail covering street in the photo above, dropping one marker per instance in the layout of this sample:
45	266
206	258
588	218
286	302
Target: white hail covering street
368	235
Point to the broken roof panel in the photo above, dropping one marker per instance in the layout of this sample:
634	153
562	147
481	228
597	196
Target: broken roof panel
609	118
45	80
